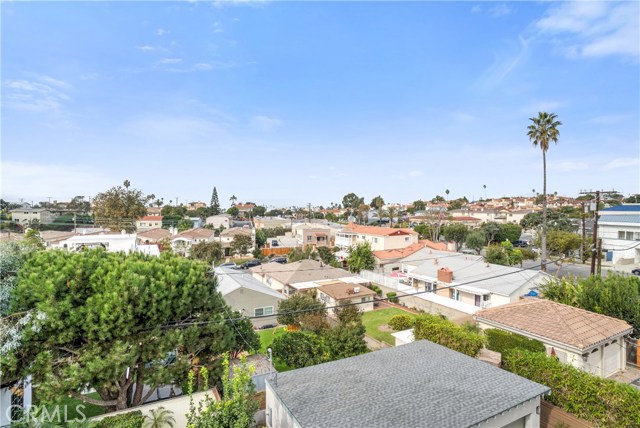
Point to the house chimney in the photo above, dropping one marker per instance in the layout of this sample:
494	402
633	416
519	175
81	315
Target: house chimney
445	275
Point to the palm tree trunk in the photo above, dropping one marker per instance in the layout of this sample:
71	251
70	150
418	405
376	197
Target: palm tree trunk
543	261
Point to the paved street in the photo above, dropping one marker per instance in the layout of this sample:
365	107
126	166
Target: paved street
576	269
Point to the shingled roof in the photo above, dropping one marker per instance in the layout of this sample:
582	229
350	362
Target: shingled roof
420	384
549	320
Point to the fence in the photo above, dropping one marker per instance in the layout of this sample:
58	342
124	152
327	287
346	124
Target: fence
380	279
633	352
552	416
278	251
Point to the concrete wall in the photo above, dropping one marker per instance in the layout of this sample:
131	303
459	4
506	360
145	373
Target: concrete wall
277	415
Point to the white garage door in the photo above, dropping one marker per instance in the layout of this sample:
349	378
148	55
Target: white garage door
593	363
612	358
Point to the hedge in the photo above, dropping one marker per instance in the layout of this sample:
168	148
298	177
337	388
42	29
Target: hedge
603	402
392	297
446	333
124	420
503	342
401	322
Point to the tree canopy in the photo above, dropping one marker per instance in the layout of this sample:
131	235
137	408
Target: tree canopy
97	323
503	254
214	206
456	232
361	257
296	303
119	207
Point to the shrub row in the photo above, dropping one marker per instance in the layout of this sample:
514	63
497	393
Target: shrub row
375	288
603	402
446	333
503	342
401	322
124	420
392	297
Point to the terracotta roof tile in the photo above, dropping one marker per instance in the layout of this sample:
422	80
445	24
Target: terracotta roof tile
378	231
554	321
151	218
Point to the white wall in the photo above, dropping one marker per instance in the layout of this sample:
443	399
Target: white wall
277	414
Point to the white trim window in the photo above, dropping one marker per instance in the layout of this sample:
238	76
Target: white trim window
267	310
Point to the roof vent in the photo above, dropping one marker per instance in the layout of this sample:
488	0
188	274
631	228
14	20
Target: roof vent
435	261
356	289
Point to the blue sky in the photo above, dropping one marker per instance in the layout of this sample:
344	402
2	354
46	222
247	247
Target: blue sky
284	103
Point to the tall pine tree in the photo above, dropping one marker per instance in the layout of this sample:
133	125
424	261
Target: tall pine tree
215	204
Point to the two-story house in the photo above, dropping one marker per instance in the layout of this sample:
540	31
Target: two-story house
379	238
182	242
316	235
148	222
24	216
619	229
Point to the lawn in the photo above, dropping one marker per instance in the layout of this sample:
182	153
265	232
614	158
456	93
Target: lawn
70	409
372	320
266	339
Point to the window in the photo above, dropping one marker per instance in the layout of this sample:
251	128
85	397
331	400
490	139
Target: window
269	419
375	240
364	299
478	300
406	238
258	312
629	236
454	294
621	234
309	238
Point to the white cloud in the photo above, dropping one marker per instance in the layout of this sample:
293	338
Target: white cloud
145	48
217	27
44	95
568	166
504	65
594	29
542	105
170	61
161	32
499	10
266	123
609	119
621	163
416	173
38	181
476	9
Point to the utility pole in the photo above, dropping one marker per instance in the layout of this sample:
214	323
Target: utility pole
599	256
594	250
309	206
75	226
584	234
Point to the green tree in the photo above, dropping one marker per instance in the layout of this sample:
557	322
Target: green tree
347	338
241	244
291	310
237	406
259	211
300	349
377	202
510	232
184	224
438	199
561	243
119	207
33	239
476	240
633	199
214	206
159	418
361	258
392	212
261	238
446	333
326	256
209	252
503	254
233	200
555	220
233	211
306	253
456	232
490	229
351	202
543	131
246	338
418	205
97	323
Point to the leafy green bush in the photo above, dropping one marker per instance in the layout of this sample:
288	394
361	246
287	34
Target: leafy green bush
446	333
375	288
392	297
603	402
401	322
503	342
124	420
300	349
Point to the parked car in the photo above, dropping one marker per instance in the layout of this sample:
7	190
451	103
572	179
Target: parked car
281	260
521	244
250	264
636	271
230	265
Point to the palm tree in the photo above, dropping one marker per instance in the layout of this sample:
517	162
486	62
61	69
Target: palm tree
233	199
159	418
391	211
544	130
447	193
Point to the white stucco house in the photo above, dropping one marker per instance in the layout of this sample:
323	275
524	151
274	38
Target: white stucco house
592	342
379	238
619	229
111	242
24	216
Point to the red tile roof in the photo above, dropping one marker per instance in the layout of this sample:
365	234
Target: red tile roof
151	218
440	246
400	252
554	321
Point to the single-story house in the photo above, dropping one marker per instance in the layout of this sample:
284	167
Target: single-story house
246	294
149	222
337	293
283	277
586	340
112	242
182	242
153	236
420	384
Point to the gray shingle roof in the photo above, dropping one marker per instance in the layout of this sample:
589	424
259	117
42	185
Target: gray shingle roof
420	384
230	280
621	218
